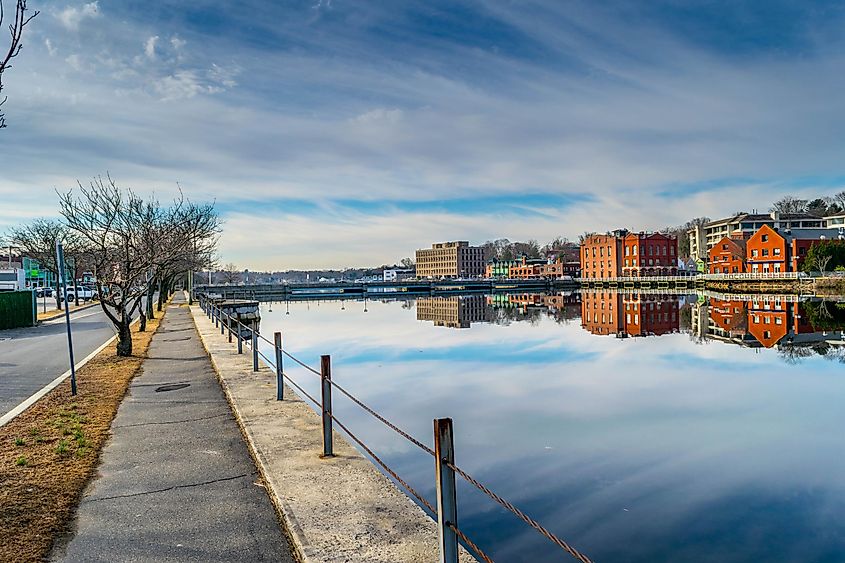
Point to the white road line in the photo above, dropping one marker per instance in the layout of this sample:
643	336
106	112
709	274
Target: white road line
9	416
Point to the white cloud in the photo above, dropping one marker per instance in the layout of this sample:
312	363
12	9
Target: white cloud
50	48
150	47
71	17
177	43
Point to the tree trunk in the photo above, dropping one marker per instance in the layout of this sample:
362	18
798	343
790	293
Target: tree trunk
161	289
58	294
124	336
142	323
150	295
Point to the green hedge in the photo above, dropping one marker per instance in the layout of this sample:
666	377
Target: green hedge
17	308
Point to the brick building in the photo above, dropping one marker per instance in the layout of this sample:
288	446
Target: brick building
650	254
772	251
727	256
601	255
450	260
636	314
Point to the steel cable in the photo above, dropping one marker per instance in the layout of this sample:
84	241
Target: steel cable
303	364
301	390
520	514
470	543
378	460
384	420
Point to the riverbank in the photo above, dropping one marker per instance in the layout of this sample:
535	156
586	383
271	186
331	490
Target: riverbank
334	509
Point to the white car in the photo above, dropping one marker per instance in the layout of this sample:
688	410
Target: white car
84	293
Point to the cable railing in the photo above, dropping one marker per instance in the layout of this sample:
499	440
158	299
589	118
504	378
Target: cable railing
445	512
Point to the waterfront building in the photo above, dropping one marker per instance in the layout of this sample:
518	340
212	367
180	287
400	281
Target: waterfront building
528	269
705	237
458	311
835	221
727	256
455	259
601	255
500	268
650	254
771	251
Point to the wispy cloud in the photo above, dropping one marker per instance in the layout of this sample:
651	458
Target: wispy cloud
648	109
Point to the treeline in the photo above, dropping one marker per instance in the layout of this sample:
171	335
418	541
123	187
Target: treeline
134	246
504	249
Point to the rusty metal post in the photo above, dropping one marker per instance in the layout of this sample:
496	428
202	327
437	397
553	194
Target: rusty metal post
280	382
447	500
240	336
326	380
254	347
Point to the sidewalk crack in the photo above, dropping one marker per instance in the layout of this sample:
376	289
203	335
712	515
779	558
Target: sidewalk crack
173	421
173	488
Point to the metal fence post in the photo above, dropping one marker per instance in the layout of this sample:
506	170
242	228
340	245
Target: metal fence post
447	500
254	348
326	380
229	326
222	325
240	336
280	383
216	314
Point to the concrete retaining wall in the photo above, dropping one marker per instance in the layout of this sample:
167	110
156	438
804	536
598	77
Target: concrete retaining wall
337	509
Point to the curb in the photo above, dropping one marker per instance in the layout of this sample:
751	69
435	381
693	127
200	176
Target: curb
32	399
61	313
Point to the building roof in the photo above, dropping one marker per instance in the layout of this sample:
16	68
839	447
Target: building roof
812	234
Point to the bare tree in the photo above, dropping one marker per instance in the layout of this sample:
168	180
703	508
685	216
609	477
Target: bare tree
408	263
37	240
790	204
15	46
135	243
230	273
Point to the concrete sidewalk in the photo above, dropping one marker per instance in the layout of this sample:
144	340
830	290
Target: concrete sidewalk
176	481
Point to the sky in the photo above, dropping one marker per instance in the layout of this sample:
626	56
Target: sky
340	133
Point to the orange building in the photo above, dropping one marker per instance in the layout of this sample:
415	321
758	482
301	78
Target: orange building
650	254
601	255
727	256
601	312
772	251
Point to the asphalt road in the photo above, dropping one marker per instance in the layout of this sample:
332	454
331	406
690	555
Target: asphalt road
30	358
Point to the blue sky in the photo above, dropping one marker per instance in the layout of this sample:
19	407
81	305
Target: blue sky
340	133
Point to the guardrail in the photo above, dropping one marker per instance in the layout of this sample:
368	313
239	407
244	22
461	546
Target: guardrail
445	513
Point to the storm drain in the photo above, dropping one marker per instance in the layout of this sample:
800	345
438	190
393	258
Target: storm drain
171	387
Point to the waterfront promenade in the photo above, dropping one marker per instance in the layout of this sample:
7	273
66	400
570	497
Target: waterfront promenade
176	482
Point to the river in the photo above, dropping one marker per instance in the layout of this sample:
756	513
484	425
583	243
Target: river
637	427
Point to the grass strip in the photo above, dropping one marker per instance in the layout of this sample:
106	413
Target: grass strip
49	453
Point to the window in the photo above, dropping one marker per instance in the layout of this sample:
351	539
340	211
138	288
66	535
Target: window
765	252
765	238
776	252
627	250
802	251
754	253
635	250
724	247
672	250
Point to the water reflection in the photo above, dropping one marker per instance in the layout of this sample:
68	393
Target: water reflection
665	430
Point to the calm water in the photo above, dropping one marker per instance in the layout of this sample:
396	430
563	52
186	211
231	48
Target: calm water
638	428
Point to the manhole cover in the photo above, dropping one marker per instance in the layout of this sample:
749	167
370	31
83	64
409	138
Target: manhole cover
171	387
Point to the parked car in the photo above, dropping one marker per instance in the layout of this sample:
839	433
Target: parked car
44	292
84	293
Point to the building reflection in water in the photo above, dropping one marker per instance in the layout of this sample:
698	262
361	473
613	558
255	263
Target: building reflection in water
458	311
630	314
768	321
463	310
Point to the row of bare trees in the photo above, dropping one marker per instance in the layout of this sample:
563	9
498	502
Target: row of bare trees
135	246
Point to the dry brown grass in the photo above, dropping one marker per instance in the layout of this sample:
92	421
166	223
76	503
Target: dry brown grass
50	452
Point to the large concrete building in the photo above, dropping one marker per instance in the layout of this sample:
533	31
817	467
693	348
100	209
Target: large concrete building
450	260
742	225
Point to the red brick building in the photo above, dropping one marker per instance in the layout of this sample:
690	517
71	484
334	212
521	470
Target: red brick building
649	254
772	251
727	256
